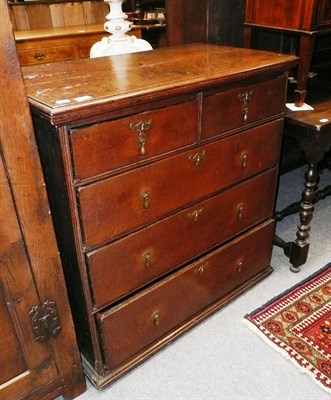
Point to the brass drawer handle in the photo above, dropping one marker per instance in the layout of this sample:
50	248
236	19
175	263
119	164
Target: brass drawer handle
244	99
201	269
156	318
240	209
244	160
147	259
145	196
197	158
39	56
195	215
141	128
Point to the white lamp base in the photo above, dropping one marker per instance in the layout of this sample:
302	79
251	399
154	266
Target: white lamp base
107	46
118	42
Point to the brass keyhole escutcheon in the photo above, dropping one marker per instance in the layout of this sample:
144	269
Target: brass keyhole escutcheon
141	128
240	209
239	265
147	259
156	318
145	197
244	160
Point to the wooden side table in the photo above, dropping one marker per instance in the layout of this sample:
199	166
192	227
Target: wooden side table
306	21
312	131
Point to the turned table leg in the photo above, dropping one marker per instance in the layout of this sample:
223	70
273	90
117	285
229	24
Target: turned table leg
314	143
299	251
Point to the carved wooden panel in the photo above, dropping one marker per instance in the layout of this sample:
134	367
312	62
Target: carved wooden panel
30	268
20	355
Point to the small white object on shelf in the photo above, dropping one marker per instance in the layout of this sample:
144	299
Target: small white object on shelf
304	107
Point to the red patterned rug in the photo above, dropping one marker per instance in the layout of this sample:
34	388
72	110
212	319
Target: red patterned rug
298	324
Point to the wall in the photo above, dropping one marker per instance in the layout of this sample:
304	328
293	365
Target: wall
212	21
226	22
26	16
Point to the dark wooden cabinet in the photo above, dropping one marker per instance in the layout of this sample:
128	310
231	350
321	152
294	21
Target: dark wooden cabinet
298	15
39	357
306	20
162	174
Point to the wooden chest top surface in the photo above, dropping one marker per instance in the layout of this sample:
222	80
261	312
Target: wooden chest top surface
113	82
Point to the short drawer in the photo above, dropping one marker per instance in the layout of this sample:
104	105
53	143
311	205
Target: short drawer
102	147
146	255
116	205
237	108
149	316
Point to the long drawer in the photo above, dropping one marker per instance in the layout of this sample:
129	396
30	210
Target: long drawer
147	317
233	109
125	202
99	148
43	53
144	257
48	46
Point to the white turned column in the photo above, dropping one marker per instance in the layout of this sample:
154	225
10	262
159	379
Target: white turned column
118	42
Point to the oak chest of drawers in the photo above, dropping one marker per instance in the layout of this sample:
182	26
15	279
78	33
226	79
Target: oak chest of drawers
161	170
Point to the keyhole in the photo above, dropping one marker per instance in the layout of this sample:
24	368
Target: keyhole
147	259
145	196
240	210
239	266
244	159
156	318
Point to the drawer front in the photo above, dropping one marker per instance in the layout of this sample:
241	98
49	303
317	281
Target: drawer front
233	109
46	54
145	255
131	327
119	204
99	148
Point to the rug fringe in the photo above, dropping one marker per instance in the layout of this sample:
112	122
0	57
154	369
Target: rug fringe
250	325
